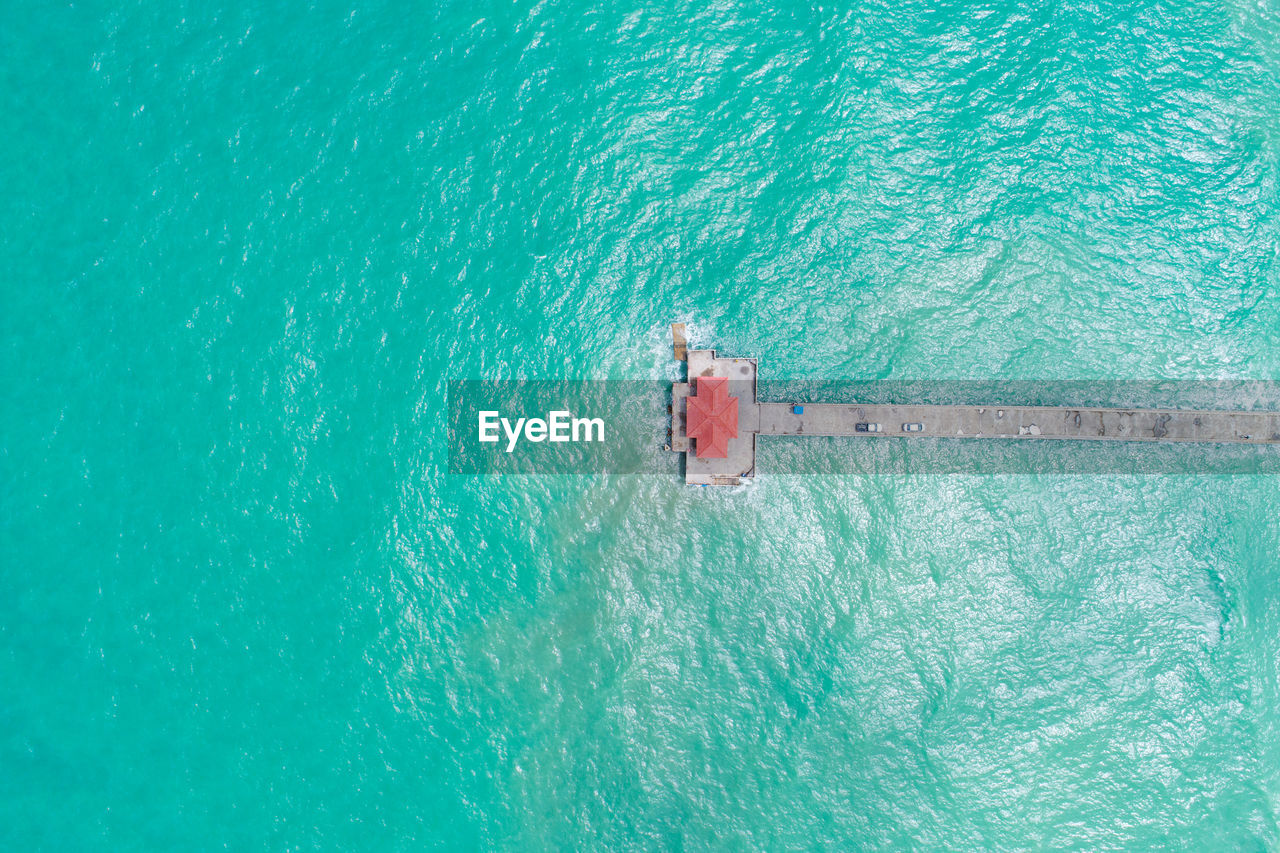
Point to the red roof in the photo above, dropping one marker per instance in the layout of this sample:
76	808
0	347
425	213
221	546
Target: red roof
712	417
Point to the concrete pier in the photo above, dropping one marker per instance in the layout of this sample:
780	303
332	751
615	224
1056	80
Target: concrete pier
881	422
740	464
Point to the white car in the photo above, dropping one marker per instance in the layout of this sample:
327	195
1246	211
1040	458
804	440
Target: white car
913	427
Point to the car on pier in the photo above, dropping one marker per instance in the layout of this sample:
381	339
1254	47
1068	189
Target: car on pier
867	427
914	426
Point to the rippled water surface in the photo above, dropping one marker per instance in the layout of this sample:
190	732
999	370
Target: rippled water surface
246	246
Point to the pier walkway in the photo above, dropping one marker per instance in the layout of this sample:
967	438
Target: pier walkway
877	422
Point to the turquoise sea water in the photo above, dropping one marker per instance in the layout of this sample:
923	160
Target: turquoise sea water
245	247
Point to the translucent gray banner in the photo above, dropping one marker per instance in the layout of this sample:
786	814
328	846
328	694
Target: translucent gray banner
500	427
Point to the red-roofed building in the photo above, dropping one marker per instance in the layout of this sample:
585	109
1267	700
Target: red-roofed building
711	418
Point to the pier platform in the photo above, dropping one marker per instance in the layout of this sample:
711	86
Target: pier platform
740	464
